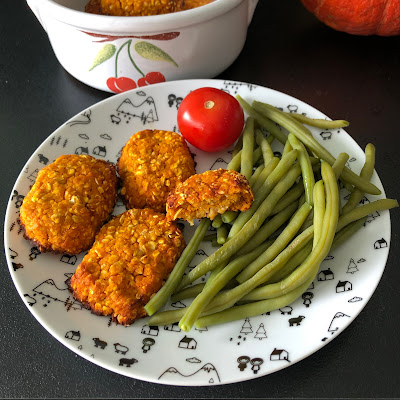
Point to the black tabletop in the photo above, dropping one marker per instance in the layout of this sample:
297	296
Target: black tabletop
287	49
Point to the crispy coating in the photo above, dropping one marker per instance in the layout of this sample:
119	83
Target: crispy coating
141	7
69	201
130	260
209	194
152	163
133	7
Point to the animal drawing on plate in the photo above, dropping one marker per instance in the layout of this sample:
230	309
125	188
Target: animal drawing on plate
206	374
145	110
99	343
48	291
120	348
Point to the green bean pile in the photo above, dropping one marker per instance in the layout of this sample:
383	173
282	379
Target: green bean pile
268	255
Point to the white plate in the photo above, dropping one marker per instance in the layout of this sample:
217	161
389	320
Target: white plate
263	344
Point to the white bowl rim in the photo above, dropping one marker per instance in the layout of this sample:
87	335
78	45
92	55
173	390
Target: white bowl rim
152	23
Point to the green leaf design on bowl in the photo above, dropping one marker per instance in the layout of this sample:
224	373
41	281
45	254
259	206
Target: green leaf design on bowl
105	53
151	52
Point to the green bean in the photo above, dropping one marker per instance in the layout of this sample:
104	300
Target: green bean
217	221
365	210
306	168
274	177
287	148
215	272
246	167
229	216
248	230
339	164
349	230
305	136
320	123
366	172
230	297
222	234
265	147
265	173
263	122
220	280
279	244
161	297
237	159
291	196
238	146
252	309
319	211
209	237
214	243
269	228
256	174
166	317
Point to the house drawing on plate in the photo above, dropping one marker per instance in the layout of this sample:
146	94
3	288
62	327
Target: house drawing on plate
150	330
380	244
187	343
65	258
325	275
343	286
279	354
173	327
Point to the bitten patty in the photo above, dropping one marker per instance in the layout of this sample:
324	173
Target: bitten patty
209	194
69	201
130	260
152	163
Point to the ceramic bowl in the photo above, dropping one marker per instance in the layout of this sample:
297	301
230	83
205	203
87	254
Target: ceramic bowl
121	53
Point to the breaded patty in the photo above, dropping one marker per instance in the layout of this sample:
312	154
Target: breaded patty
152	163
69	201
130	260
133	7
209	194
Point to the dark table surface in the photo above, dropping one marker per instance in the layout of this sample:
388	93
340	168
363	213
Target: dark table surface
287	49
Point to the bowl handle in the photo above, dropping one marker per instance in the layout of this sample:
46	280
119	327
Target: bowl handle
34	5
252	6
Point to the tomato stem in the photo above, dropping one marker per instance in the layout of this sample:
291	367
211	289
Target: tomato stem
209	104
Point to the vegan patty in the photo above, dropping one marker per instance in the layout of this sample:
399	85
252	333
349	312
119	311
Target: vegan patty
152	163
69	201
208	194
130	260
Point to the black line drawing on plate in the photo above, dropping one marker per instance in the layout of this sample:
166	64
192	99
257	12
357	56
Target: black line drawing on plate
100	151
33	175
203	329
219	163
173	99
193	360
127	362
354	299
73	335
144	110
235	86
326	275
279	354
307	296
81	150
292	108
246	327
147	343
352	267
256	364
83	119
239	338
99	343
120	348
84	136
261	333
296	321
361	260
178	304
150	330
13	253
326	135
18	199
17	266
34	253
69	259
328	258
277	154
106	136
242	362
286	310
338	321
172	327
343	286
17	222
187	343
371	217
380	244
206	374
31	301
42	159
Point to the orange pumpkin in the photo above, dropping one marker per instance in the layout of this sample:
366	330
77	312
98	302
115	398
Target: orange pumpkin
358	17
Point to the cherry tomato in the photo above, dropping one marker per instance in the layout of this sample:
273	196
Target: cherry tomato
210	119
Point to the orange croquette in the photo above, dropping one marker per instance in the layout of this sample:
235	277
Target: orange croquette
152	163
130	260
69	201
209	194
